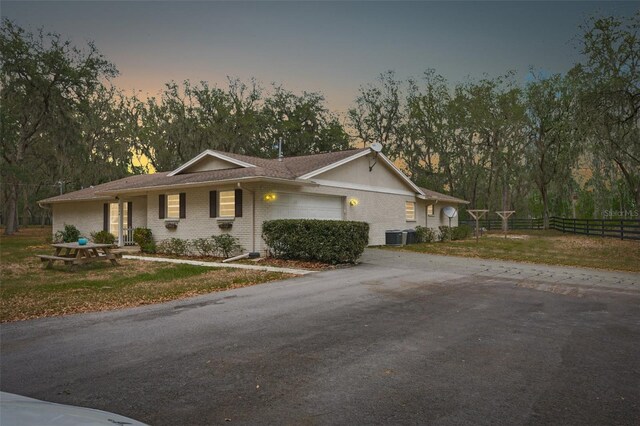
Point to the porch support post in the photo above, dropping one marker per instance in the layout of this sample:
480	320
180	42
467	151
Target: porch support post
120	224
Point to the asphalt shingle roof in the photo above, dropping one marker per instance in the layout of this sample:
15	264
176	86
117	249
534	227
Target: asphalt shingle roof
289	168
433	195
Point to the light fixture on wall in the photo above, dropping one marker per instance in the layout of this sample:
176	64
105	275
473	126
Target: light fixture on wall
270	196
353	202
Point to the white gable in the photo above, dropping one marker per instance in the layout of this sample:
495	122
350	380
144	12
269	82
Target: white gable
209	163
210	160
367	173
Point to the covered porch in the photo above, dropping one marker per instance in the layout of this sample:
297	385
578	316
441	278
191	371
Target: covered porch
122	216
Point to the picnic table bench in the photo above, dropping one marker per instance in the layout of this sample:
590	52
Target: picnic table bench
74	254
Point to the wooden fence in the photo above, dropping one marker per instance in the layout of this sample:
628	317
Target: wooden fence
514	223
625	229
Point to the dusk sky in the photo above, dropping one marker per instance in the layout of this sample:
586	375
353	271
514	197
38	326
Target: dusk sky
328	47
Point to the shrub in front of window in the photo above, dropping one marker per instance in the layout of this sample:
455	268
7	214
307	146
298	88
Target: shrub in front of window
226	245
174	247
143	237
329	241
425	234
204	246
461	232
69	234
445	233
103	237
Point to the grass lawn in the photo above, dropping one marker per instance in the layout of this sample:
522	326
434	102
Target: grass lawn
27	290
550	247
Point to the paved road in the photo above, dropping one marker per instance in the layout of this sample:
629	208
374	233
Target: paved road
403	338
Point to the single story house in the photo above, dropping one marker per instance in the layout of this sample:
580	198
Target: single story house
218	192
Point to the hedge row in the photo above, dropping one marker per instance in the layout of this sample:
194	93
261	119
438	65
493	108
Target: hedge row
329	241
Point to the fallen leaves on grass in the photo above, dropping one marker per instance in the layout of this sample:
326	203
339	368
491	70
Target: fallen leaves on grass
29	291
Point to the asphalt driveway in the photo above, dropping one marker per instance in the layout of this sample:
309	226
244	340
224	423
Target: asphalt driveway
403	338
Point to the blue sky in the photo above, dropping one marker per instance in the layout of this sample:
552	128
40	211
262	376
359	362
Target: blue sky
329	47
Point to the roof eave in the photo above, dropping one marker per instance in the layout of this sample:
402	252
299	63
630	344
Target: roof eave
54	201
247	179
444	200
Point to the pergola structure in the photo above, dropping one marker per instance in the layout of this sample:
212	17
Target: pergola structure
505	214
477	214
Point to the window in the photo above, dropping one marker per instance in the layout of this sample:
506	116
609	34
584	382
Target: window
114	217
227	204
173	206
410	210
430	210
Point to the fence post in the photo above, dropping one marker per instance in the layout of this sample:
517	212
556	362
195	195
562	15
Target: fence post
588	227
602	228
574	225
562	224
621	229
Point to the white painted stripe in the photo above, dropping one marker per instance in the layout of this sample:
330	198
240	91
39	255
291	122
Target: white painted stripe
219	265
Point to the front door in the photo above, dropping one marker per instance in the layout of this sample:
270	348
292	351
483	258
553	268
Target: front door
114	219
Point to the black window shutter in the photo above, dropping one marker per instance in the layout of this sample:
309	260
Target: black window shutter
183	205
129	214
161	206
213	203
105	219
238	197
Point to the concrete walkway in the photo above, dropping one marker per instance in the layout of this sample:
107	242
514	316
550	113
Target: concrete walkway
220	265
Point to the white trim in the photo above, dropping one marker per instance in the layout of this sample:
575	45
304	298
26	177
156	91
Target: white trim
211	153
359	187
105	198
334	165
144	189
362	154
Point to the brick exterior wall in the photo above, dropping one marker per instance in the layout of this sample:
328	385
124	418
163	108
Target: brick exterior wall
88	216
197	223
84	215
380	210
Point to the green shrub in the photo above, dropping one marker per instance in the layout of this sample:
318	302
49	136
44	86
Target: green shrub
445	233
461	232
103	237
144	239
204	246
174	247
226	245
70	234
330	241
425	234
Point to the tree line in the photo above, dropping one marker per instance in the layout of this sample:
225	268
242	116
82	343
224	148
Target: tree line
555	143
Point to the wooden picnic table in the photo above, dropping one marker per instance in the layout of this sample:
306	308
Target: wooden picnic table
74	254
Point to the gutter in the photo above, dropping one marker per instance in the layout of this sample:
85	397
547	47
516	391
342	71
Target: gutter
207	183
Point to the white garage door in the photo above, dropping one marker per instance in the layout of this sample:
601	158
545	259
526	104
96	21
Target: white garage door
304	206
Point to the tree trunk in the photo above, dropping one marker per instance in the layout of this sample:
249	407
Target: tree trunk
12	208
504	204
545	208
